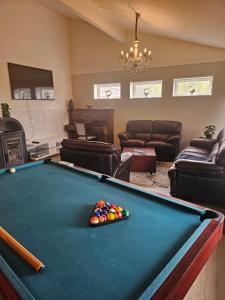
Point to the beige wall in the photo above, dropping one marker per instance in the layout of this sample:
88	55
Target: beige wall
95	60
193	112
93	51
33	34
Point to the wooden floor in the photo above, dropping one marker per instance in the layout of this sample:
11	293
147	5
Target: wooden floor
210	284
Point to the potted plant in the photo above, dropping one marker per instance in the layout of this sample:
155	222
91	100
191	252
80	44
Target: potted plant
209	131
5	110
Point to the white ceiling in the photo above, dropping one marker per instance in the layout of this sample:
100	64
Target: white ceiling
199	21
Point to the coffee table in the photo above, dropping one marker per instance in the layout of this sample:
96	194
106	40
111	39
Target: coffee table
144	159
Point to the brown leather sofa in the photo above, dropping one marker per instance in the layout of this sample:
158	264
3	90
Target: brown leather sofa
164	136
198	173
97	156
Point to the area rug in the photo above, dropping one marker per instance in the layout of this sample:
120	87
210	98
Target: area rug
156	181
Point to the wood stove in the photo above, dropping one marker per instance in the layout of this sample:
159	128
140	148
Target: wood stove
12	143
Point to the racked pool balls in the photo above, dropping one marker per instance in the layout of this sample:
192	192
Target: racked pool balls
106	213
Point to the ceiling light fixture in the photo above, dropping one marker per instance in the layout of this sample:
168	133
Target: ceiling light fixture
135	61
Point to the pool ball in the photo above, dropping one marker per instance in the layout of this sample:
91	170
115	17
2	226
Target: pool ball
98	209
125	213
101	203
94	220
119	214
111	216
119	209
116	216
112	210
101	219
12	170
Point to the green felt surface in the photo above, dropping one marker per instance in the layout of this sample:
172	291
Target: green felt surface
47	207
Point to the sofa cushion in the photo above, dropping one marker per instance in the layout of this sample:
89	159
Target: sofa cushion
169	127
192	156
197	150
203	143
142	136
174	139
160	136
142	126
133	143
159	145
220	157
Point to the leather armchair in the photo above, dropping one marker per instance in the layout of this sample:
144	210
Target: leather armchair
198	173
97	156
163	136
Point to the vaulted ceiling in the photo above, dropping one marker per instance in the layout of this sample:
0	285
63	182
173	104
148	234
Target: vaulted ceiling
199	21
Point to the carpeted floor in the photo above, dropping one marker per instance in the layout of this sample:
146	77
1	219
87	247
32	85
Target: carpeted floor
158	181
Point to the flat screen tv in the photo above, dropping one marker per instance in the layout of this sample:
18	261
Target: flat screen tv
28	83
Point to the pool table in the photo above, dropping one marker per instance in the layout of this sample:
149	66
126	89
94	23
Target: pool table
154	254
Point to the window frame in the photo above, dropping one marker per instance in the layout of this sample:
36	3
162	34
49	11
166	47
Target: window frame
97	86
132	92
191	79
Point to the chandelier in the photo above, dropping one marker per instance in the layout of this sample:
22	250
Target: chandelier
135	61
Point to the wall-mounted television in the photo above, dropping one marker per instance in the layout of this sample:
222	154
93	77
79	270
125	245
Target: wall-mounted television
29	83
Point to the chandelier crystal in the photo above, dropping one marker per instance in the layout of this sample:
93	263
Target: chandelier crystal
135	61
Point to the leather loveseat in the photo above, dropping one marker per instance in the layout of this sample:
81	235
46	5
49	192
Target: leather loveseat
198	173
164	136
97	156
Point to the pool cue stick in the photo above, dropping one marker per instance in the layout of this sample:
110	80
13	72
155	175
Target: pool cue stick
23	252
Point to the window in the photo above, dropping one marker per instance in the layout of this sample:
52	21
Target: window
44	93
23	93
107	91
195	86
146	89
